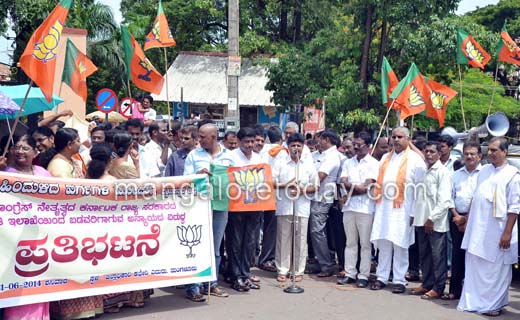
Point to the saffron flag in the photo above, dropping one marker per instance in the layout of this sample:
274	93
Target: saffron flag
139	69
508	50
440	97
470	52
411	94
38	60
240	189
388	82
76	69
161	35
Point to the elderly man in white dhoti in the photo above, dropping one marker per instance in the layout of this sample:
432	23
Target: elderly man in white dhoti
400	172
491	237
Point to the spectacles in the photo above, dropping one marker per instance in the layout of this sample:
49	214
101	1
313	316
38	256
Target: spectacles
358	144
23	148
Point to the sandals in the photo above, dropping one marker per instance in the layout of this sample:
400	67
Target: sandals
450	296
217	292
254	278
281	278
419	291
268	266
298	278
431	295
378	285
196	297
493	313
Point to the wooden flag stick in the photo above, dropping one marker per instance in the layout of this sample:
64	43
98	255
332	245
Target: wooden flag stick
17	119
461	106
129	92
167	96
494	90
382	126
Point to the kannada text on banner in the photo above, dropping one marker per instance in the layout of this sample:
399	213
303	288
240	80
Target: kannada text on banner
67	238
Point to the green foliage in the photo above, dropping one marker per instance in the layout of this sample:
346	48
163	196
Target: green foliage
493	16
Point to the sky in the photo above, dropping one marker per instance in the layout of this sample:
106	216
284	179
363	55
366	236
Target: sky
5	49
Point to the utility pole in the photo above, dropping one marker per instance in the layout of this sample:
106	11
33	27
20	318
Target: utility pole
232	119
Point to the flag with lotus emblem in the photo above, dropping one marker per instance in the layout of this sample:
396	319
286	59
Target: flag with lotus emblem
469	51
508	50
38	60
76	69
411	95
440	97
161	35
239	189
139	69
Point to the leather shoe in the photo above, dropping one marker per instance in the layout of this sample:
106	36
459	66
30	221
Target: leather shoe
325	274
346	280
398	288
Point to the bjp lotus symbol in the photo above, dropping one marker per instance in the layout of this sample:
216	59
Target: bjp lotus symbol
251	181
189	236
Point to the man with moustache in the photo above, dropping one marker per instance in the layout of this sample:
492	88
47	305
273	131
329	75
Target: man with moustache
348	147
357	174
188	141
156	151
491	236
392	234
380	148
431	223
464	185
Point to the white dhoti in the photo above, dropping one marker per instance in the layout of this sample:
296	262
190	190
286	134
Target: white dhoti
486	285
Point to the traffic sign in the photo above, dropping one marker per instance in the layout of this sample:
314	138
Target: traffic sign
126	106
106	100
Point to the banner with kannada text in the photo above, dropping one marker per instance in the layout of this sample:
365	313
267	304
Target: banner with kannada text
67	238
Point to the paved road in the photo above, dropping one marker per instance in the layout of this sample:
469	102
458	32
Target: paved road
322	299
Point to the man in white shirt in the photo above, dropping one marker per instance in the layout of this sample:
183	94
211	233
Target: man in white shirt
491	236
149	113
464	185
392	231
243	224
156	151
357	174
447	143
327	172
431	223
293	194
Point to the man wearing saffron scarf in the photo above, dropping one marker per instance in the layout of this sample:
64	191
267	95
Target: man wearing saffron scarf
491	237
400	171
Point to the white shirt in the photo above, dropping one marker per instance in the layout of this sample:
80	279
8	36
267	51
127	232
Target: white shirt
483	231
330	164
434	198
464	185
154	166
239	159
283	172
316	159
264	153
357	172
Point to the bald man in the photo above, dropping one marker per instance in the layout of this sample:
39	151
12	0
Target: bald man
198	161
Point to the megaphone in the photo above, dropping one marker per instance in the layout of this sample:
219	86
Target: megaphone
496	125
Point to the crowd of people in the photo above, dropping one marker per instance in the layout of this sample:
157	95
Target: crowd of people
404	207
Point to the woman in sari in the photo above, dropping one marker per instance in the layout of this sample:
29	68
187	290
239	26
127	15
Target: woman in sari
23	156
65	165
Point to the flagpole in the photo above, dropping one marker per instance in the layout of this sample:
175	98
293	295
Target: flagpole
59	94
382	126
167	97
129	92
494	89
17	119
411	126
461	106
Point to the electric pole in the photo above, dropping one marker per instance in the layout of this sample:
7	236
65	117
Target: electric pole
232	120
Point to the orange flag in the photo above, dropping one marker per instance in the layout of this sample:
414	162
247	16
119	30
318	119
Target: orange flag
161	35
139	69
38	60
508	50
470	52
76	69
411	95
440	97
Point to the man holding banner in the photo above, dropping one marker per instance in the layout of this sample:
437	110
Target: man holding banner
198	161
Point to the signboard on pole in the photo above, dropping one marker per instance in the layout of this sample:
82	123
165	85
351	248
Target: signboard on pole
106	100
126	106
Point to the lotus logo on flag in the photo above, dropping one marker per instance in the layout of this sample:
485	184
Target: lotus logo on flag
250	181
47	49
189	236
438	100
473	53
415	98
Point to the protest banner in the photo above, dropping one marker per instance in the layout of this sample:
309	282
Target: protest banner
68	238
